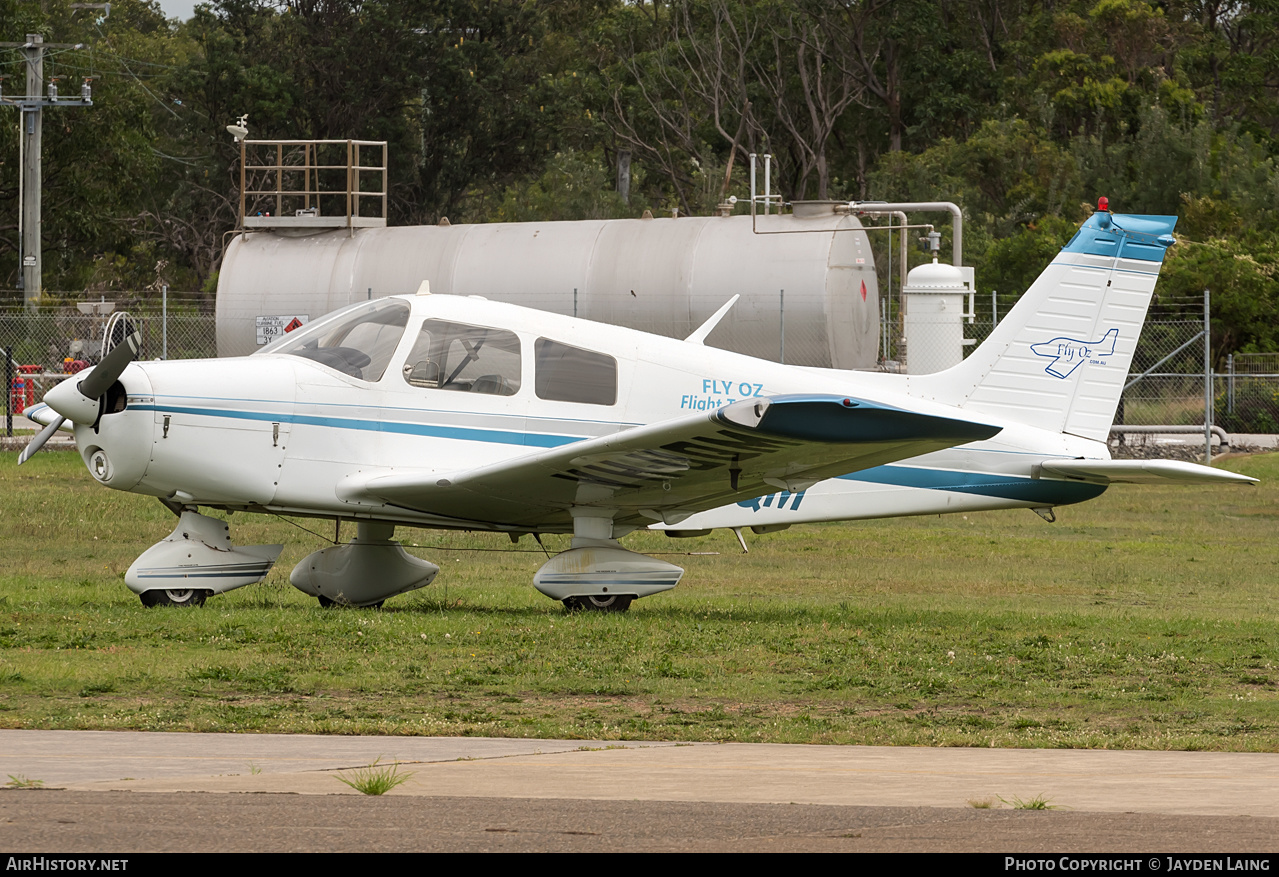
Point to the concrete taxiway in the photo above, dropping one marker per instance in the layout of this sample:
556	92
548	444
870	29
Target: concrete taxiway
498	793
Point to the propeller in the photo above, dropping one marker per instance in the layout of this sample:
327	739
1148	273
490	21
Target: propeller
78	400
41	437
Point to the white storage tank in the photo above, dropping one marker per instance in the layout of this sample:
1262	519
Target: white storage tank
812	295
933	316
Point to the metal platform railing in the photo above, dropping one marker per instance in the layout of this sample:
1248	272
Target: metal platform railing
312	184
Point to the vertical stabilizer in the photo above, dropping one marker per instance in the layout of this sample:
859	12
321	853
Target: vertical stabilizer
1060	359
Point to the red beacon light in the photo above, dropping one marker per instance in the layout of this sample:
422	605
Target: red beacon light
1103	209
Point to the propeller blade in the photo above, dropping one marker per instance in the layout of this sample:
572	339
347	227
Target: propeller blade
79	400
112	366
38	442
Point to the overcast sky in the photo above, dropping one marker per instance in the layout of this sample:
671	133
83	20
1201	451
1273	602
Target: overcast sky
178	8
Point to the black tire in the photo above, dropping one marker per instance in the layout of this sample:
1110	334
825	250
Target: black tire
599	603
174	597
334	604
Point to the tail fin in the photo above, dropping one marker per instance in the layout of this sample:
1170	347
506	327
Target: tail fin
1060	358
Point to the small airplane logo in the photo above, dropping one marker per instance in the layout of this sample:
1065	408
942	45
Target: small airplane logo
1068	354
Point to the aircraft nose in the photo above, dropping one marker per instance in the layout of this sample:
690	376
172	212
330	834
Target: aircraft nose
117	450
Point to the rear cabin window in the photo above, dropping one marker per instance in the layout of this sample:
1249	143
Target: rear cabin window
465	359
571	374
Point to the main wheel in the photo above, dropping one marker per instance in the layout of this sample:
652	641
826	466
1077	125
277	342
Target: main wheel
174	597
599	603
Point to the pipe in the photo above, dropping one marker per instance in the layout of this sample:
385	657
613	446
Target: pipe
956	222
885	210
901	216
1220	433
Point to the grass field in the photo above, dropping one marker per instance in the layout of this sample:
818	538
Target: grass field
1144	619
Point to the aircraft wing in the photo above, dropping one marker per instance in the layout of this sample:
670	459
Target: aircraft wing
668	471
1139	472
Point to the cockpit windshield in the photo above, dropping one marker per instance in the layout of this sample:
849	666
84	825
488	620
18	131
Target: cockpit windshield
358	340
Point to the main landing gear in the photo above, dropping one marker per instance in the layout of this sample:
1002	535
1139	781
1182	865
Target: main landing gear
598	575
593	603
364	572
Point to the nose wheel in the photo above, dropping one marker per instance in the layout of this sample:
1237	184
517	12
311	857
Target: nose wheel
173	597
599	603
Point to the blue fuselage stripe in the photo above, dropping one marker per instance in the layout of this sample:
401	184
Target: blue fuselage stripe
460	433
981	484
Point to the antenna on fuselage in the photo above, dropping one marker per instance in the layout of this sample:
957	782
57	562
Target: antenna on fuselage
699	336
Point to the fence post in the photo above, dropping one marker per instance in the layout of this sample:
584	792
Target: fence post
164	321
8	391
886	301
1229	384
883	331
1207	383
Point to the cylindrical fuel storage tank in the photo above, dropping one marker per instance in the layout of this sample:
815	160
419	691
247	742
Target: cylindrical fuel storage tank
806	287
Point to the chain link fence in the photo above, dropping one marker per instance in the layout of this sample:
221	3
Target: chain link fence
1246	396
1167	379
40	348
1165	386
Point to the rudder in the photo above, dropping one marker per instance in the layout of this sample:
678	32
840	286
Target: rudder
1060	359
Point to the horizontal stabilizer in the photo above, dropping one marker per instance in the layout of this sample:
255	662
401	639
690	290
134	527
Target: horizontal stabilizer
1140	472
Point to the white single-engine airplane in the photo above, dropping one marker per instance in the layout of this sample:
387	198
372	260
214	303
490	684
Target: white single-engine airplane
440	411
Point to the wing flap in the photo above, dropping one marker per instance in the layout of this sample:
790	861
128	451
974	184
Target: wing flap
1140	472
677	467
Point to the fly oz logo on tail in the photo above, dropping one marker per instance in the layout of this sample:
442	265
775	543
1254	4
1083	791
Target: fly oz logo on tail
1068	354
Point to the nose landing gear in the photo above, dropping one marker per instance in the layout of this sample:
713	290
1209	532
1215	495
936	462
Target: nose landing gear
196	561
173	597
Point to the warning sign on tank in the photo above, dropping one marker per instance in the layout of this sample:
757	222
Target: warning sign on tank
270	328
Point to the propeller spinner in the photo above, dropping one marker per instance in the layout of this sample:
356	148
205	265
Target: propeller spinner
78	399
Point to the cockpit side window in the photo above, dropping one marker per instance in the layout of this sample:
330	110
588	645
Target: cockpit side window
571	374
358	342
463	358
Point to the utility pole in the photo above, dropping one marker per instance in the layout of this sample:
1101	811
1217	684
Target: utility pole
31	135
30	131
